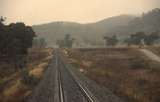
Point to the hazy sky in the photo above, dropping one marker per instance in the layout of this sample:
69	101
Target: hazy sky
83	11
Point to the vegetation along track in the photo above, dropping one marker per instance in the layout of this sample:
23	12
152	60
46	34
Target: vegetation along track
45	92
58	85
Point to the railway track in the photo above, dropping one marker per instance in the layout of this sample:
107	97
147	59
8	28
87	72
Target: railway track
61	84
80	94
61	91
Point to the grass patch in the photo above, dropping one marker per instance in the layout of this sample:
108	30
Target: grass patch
137	63
29	80
15	93
126	72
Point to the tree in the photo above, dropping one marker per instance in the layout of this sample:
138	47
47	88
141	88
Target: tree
39	42
15	39
141	37
111	41
24	34
2	19
150	39
43	42
66	42
60	43
135	39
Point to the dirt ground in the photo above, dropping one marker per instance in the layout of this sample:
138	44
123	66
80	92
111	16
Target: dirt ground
127	72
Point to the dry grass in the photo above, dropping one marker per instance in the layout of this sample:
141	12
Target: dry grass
15	93
125	71
38	71
16	90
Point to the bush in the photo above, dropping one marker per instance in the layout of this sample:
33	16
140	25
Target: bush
137	63
28	79
1	81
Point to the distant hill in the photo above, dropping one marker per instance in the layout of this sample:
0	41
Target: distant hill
93	33
87	33
148	22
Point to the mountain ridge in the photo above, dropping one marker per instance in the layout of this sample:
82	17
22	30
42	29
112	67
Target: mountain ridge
95	31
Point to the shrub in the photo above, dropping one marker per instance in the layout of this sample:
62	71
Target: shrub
137	63
28	79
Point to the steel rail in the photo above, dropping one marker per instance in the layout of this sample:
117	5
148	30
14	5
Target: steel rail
61	92
83	90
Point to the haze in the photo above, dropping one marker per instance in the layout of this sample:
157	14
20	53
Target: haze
83	11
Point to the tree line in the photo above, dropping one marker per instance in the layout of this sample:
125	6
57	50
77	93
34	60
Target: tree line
138	39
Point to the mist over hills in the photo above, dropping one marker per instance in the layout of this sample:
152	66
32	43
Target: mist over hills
93	33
